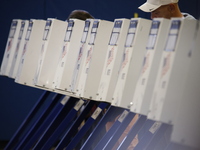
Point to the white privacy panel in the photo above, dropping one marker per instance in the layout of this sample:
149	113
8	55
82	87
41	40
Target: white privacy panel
53	35
111	67
18	49
10	46
131	61
31	49
68	54
154	48
172	71
95	56
80	56
186	129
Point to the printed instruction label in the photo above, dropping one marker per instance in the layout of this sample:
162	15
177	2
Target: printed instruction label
123	116
78	105
64	100
96	113
155	127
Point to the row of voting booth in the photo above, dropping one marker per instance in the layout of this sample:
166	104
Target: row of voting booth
127	84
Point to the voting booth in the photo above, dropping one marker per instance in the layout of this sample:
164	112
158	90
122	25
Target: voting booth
95	56
18	49
112	62
172	71
131	61
30	52
53	34
152	58
127	84
81	56
68	53
187	116
12	42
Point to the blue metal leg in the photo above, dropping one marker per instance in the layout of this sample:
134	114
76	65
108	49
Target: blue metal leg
86	126
106	138
161	138
64	125
36	130
57	116
146	133
74	127
15	138
133	132
120	131
100	129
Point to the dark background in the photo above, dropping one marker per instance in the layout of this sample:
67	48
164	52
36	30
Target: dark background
17	100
